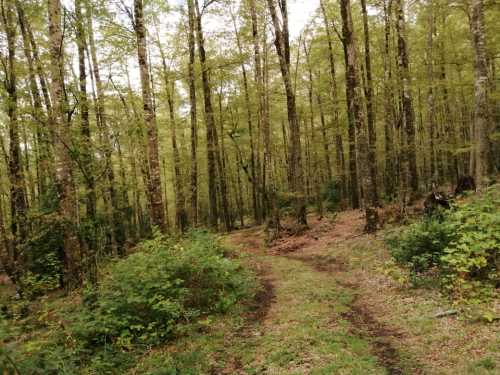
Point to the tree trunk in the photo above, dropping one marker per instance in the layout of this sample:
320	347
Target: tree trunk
283	50
62	137
481	112
181	221
253	171
86	140
354	98
372	133
210	124
104	128
409	145
193	114
18	199
340	162
389	115
154	189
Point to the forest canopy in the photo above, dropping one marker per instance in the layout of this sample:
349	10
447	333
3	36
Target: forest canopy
122	118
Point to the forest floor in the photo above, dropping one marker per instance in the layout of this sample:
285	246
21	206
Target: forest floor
328	306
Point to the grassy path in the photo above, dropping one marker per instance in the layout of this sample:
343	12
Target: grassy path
326	307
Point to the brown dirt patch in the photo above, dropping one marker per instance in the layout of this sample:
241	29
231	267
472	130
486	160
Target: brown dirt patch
381	337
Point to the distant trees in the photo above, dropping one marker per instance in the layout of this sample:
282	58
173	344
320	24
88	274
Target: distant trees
254	114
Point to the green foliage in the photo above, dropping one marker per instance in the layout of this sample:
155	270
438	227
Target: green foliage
421	245
163	291
470	261
44	258
331	194
145	298
463	244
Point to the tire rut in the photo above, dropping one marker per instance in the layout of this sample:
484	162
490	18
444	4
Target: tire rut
362	320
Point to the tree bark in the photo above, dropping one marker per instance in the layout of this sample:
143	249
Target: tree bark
154	189
340	162
209	122
193	114
282	45
354	101
86	140
372	133
253	171
18	198
181	221
62	137
481	111
409	156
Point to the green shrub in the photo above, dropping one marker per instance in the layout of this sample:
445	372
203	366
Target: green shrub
470	262
421	245
463	243
146	297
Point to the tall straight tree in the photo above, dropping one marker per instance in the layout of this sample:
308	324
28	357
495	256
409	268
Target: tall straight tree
44	165
409	154
209	122
62	138
481	118
370	111
86	140
18	199
193	113
154	189
354	101
104	129
282	44
340	162
389	113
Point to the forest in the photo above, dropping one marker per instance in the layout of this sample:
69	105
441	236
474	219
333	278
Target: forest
249	186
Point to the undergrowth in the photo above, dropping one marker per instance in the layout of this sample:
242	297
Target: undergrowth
460	246
154	296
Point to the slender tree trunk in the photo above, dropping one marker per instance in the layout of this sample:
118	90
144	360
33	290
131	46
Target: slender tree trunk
253	169
86	140
372	133
210	124
389	118
155	187
431	110
481	112
354	98
62	137
409	144
104	128
42	137
283	50
181	221
193	114
18	199
340	162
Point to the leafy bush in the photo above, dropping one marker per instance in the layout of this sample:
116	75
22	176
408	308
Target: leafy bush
146	297
470	261
421	244
463	243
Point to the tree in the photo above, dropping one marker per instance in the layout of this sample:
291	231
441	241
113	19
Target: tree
354	100
154	189
63	143
209	122
282	45
481	120
18	198
409	154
